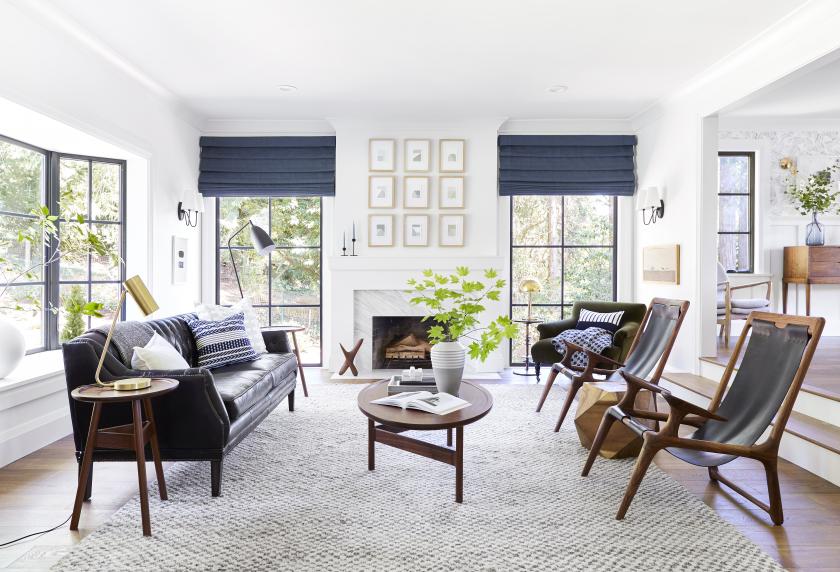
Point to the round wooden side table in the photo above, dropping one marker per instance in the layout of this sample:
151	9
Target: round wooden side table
132	436
292	329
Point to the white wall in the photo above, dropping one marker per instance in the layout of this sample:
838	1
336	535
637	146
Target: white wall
677	151
47	68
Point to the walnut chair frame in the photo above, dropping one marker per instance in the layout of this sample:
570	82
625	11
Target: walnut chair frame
762	393
651	347
725	320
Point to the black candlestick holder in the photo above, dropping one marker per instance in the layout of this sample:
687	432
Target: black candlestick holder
353	247
343	251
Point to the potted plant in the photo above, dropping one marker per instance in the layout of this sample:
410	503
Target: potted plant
814	197
454	303
75	242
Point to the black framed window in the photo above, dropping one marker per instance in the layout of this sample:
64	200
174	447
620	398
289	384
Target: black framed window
736	210
94	187
284	286
567	243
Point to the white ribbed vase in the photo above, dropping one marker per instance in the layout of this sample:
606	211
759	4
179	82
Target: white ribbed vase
448	360
12	347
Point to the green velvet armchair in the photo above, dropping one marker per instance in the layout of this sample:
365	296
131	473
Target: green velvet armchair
543	351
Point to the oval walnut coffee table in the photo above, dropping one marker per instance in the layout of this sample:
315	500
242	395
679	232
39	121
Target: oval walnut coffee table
392	421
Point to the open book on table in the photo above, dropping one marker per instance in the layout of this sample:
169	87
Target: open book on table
438	403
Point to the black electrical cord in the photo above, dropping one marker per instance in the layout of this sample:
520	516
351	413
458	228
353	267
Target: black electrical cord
3	545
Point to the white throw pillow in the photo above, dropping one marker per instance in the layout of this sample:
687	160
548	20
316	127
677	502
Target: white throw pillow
252	322
157	354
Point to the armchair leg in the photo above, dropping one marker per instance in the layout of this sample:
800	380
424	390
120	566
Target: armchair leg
537	371
291	399
548	383
600	436
639	471
777	514
216	478
570	397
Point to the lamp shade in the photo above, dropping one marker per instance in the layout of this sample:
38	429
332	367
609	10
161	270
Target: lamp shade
261	241
529	285
141	295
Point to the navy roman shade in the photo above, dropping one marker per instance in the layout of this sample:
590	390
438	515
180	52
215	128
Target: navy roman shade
267	166
567	165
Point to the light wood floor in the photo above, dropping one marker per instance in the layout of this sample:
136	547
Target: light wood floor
37	491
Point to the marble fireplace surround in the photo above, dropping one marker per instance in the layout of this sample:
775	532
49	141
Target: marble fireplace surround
362	289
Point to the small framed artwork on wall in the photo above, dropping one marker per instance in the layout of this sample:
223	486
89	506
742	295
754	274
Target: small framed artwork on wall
381	230
661	263
381	191
451	192
382	155
451	230
416	229
416	191
451	155
418	154
179	260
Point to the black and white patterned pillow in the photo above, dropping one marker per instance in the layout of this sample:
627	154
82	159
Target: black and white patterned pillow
221	342
606	320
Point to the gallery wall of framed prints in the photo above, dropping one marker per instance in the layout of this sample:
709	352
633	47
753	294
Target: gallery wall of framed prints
420	176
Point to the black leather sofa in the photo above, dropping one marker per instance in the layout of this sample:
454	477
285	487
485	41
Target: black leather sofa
206	416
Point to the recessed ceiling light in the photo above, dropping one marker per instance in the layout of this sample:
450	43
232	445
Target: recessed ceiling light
286	88
558	89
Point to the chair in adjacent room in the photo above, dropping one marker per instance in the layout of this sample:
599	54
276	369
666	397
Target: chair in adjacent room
647	357
729	308
778	352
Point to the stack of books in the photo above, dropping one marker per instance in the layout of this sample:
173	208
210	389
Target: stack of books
399	384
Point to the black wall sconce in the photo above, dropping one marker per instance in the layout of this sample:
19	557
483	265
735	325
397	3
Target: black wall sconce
188	212
652	205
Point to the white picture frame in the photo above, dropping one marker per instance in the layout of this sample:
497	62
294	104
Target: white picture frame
415	230
452	155
180	259
381	191
417	155
416	192
382	155
451	191
451	230
380	230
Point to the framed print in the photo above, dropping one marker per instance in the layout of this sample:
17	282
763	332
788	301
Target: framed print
381	191
451	155
451	193
451	230
661	263
416	229
381	230
416	192
179	260
382	155
418	154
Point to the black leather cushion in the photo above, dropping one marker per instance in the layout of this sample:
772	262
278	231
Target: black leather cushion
242	385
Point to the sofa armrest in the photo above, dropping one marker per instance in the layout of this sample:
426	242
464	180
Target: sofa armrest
625	333
276	341
551	329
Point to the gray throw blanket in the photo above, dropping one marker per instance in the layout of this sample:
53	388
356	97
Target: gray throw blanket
593	339
126	336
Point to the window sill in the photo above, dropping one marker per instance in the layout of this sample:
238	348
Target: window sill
34	367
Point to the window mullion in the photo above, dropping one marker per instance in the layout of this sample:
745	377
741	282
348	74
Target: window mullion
52	271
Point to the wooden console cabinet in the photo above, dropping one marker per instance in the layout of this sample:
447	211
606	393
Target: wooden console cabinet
809	265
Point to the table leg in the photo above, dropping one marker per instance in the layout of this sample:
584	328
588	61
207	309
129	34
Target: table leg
371	445
139	452
807	298
785	288
449	437
153	441
87	462
459	464
300	365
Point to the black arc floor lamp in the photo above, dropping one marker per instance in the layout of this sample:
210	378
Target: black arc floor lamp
261	242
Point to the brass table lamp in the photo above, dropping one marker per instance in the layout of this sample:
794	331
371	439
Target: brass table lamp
147	305
529	286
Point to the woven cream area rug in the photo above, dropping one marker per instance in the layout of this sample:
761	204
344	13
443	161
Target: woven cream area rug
297	495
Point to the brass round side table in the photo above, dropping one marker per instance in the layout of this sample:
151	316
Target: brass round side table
527	323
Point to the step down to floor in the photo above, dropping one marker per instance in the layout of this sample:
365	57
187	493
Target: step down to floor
806	432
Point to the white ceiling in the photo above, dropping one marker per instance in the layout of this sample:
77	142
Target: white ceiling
811	95
422	58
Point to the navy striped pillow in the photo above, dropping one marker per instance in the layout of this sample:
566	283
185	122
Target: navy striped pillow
609	321
221	342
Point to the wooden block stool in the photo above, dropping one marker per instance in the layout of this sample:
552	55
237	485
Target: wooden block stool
593	400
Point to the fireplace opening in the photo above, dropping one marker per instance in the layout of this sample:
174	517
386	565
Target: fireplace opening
400	342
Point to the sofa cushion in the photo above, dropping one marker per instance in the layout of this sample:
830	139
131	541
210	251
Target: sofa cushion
222	342
242	385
